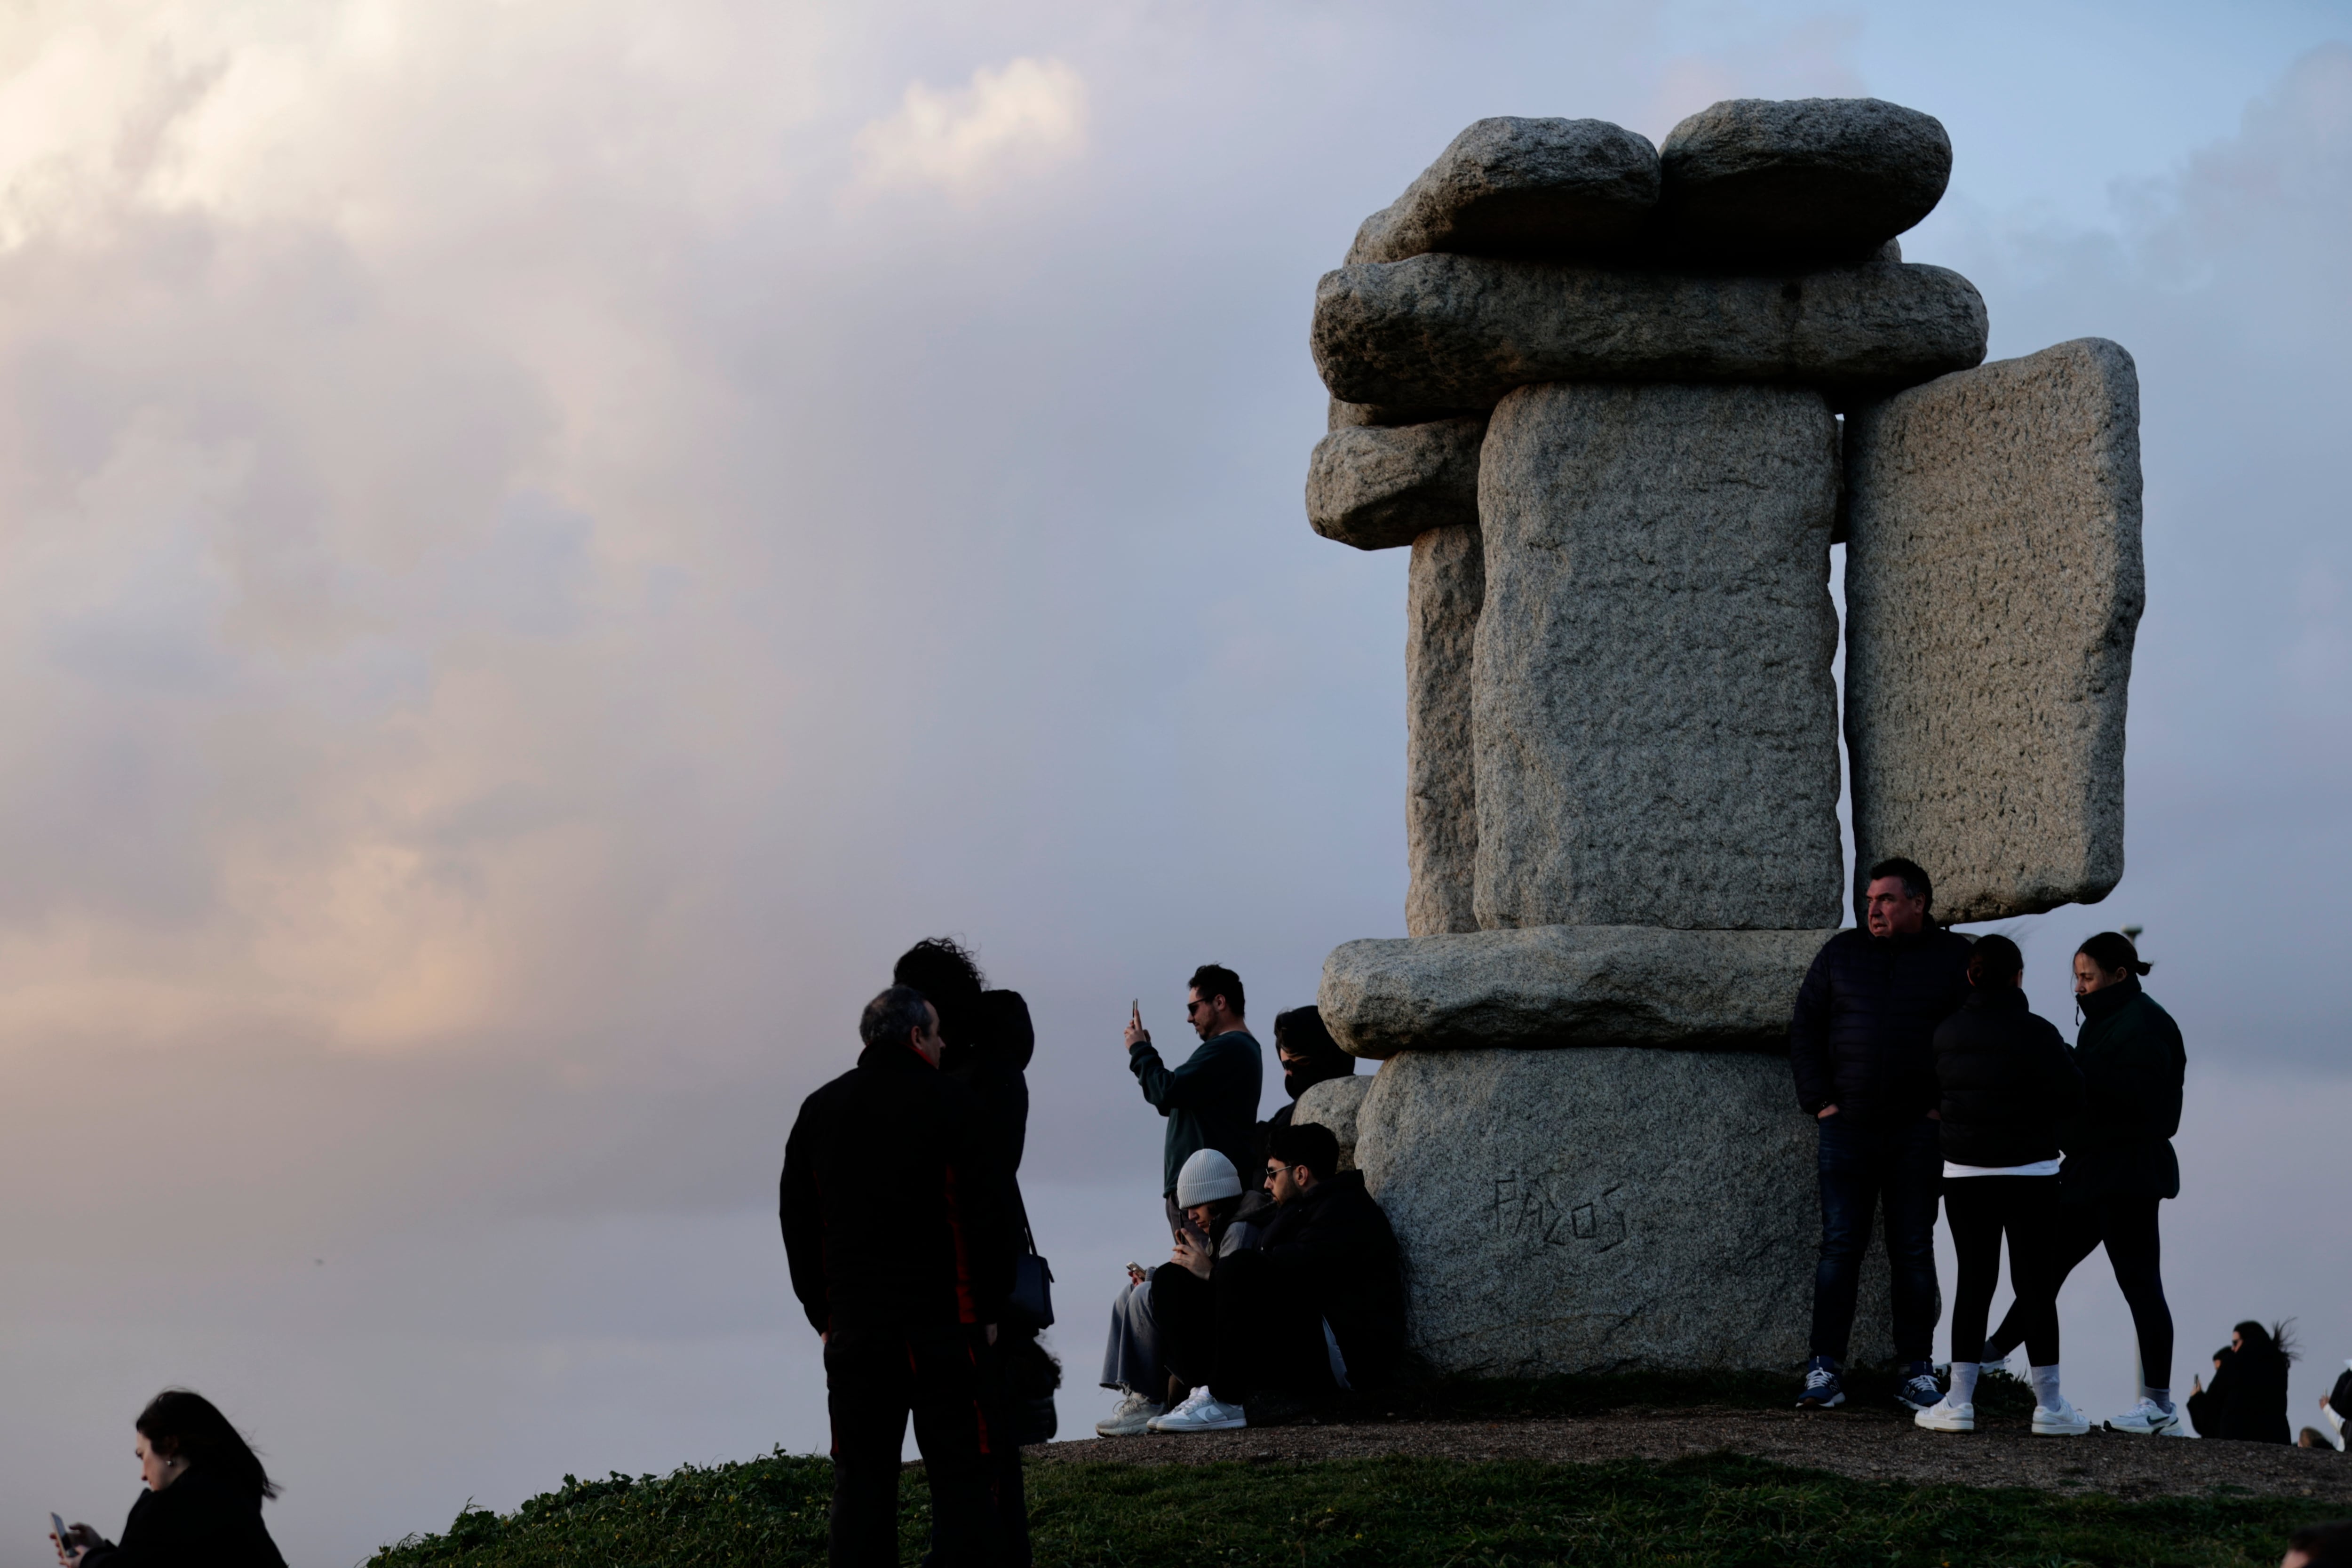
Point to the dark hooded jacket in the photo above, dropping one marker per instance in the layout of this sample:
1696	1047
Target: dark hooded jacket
1863	1038
2133	1063
890	1201
994	1067
1332	1246
201	1521
2246	1399
2006	1078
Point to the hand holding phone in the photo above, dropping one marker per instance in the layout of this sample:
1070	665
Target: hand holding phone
1136	1033
1135	1273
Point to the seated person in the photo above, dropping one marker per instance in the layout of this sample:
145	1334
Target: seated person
1316	1306
1309	1055
2335	1407
1215	1212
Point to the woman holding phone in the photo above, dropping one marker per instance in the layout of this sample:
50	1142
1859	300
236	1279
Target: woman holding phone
202	1508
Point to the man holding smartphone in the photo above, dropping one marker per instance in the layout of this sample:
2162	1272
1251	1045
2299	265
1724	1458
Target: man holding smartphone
1211	1100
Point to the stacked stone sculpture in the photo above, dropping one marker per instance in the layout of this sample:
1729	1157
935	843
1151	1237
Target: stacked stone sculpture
1619	402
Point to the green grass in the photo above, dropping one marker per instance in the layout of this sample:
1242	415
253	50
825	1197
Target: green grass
1426	1513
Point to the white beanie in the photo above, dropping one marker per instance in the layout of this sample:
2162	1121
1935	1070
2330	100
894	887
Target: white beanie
1206	1177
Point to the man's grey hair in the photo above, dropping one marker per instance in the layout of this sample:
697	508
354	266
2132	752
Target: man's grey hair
893	1016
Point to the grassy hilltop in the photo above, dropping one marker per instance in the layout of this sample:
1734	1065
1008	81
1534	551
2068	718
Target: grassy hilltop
1721	1509
1417	1513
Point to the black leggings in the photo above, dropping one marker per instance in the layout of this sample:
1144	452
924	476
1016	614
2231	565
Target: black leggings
1980	1209
2127	1228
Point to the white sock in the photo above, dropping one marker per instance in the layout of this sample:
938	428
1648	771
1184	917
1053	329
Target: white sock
2045	1386
1964	1383
2161	1398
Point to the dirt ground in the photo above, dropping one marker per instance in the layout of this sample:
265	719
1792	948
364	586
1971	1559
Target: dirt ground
1865	1445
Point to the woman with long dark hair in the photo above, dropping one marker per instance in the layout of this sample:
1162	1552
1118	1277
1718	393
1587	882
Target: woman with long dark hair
202	1508
2248	1398
2004	1080
2119	1161
988	1042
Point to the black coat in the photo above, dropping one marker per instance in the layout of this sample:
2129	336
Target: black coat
1863	1036
1333	1246
994	1069
2133	1063
197	1521
2246	1399
2006	1080
890	1202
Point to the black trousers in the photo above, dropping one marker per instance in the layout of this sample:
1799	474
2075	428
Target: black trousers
2127	1227
1240	1331
876	1376
1981	1210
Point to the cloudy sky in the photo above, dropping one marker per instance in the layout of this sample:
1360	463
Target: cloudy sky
541	544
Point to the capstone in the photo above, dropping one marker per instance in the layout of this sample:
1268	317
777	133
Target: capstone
1760	181
1378	486
1653	719
1511	186
1567	987
1993	589
1585	1211
1460	331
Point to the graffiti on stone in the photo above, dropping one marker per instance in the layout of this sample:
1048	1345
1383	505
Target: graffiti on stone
1554	1209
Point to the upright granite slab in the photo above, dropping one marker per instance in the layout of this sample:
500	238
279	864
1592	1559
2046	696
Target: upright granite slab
1551	986
1459	332
1333	1104
1653	719
1581	1211
1993	588
1443	588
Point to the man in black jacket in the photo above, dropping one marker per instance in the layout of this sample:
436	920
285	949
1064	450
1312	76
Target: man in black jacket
1316	1306
901	1260
1862	1045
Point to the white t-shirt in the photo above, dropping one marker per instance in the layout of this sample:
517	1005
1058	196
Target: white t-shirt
2038	1168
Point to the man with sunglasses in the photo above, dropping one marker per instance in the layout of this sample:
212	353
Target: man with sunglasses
1211	1099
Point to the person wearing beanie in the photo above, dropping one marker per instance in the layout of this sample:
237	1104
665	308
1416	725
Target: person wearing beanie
1216	1211
1315	1307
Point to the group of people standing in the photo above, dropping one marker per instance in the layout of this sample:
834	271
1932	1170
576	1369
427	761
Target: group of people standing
1932	1079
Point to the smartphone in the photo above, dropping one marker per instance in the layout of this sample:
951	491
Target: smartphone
59	1527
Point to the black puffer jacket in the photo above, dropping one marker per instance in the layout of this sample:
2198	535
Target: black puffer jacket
199	1521
1862	1037
2133	1063
890	1202
2006	1080
2246	1399
1332	1245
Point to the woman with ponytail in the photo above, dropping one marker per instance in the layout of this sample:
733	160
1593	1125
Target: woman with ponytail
2119	1161
202	1508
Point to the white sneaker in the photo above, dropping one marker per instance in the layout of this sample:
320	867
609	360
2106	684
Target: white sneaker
2059	1420
1132	1418
1201	1412
2148	1418
1946	1416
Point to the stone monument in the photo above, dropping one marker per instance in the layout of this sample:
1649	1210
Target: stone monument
1619	402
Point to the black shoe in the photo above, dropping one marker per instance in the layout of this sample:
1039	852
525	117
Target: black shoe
1823	1389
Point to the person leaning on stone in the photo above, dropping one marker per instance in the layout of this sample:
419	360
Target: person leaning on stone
1316	1307
902	1261
1308	1055
1861	1045
1219	1220
1211	1099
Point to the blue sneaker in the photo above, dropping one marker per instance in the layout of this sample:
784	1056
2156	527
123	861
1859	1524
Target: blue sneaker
1823	1389
1919	1390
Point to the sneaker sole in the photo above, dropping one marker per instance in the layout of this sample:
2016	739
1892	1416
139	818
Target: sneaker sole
2081	1431
1200	1426
1831	1403
1944	1425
